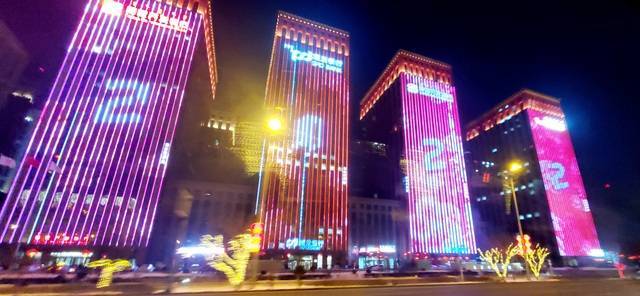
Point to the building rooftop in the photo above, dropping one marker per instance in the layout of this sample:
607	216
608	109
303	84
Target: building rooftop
308	22
516	103
409	62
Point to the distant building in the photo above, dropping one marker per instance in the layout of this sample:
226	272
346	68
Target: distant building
371	166
13	60
219	131
377	232
412	110
249	140
17	120
244	138
190	209
529	127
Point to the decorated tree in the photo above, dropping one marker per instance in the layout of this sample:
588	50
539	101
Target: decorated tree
498	259
109	267
234	266
535	258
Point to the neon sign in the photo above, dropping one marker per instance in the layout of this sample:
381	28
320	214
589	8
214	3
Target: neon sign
316	60
551	123
304	244
157	17
418	88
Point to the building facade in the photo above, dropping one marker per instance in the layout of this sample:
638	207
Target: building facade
303	187
94	167
13	62
531	128
377	230
412	110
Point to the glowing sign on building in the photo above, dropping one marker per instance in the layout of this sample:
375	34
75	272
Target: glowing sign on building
440	214
570	214
303	180
316	59
304	244
430	92
156	17
96	161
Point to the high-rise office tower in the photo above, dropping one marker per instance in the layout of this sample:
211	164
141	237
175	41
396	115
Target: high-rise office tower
94	166
412	109
303	188
529	127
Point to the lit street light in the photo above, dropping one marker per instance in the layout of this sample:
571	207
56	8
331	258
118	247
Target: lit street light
514	169
274	124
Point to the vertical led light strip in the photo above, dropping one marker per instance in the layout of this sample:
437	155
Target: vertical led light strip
304	195
94	166
439	206
570	213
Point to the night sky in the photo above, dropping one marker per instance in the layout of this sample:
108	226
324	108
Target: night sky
585	55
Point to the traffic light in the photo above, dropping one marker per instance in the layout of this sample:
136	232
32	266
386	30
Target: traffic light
256	236
524	244
256	229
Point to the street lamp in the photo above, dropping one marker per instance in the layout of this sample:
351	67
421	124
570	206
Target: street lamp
274	124
514	168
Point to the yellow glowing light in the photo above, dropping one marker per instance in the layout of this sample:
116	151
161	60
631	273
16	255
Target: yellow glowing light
274	124
515	167
234	266
535	259
499	260
109	267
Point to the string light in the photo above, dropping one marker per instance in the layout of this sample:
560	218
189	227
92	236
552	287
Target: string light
234	266
109	267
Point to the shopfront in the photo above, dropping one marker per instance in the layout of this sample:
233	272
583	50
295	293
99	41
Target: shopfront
382	257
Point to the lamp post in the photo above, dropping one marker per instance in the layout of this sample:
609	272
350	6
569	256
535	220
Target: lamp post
513	169
274	126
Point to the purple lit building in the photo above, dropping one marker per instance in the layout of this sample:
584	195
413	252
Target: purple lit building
94	167
412	110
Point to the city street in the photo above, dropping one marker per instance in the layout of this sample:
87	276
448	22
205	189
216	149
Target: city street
582	288
295	148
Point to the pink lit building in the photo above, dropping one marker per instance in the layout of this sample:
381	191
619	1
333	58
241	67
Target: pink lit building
412	110
530	127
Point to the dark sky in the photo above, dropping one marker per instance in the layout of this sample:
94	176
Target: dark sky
585	54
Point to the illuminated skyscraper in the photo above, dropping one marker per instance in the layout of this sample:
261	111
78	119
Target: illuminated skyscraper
303	193
554	211
412	109
94	166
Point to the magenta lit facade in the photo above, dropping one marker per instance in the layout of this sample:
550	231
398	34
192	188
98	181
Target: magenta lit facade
438	197
94	167
431	161
570	213
530	127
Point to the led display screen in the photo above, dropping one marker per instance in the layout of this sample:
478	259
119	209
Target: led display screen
572	221
439	206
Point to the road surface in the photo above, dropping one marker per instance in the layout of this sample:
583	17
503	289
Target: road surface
561	288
